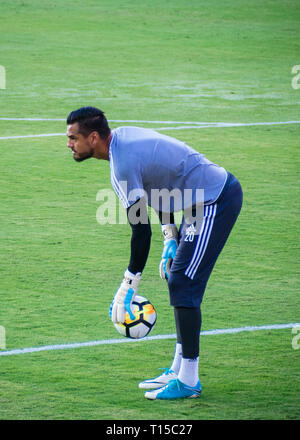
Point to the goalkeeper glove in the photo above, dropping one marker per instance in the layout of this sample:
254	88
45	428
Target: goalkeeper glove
170	234
124	297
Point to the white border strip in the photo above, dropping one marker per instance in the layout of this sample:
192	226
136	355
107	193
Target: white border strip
32	136
136	121
149	338
227	125
110	120
182	127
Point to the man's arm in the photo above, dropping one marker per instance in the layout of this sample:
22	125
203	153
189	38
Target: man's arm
166	218
140	246
141	236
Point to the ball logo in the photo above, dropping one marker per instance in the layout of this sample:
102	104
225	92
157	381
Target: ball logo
140	313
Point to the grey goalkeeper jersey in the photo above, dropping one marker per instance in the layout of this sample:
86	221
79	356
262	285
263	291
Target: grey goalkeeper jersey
171	175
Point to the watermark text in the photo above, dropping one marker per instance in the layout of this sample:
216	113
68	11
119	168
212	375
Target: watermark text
296	78
2	77
145	207
2	338
296	338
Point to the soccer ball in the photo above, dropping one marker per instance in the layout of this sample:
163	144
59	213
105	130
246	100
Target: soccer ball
144	322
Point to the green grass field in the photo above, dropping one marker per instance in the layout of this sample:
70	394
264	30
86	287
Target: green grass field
147	61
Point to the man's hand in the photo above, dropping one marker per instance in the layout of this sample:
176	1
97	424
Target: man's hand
170	234
124	297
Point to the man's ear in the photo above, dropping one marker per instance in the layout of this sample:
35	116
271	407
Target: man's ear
94	137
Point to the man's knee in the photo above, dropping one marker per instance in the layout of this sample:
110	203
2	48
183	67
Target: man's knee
185	292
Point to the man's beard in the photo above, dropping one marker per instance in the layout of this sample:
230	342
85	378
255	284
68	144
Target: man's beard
86	156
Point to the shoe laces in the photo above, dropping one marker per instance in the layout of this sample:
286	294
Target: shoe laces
174	383
180	385
167	370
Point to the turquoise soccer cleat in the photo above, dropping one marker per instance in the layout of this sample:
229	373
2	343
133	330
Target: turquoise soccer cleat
175	390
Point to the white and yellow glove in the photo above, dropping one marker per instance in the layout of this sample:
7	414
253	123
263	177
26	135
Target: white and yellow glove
170	234
124	297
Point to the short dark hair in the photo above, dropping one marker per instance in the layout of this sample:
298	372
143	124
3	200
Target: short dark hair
90	119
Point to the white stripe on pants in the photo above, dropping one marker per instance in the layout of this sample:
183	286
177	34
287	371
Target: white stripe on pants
203	238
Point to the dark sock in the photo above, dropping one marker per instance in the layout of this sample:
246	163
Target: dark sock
188	325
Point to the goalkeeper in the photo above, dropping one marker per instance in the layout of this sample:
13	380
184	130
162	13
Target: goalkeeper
148	168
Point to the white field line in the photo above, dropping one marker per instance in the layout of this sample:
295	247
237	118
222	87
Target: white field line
149	338
33	136
221	124
186	125
227	124
110	120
